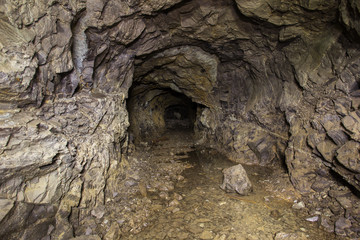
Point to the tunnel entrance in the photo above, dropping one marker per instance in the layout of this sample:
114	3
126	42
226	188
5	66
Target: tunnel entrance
154	111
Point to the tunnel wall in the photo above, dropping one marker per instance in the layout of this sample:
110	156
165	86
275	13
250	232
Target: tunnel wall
279	75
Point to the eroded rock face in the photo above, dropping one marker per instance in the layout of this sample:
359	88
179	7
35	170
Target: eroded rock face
275	81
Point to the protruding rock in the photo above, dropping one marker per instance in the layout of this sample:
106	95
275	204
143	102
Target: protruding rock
348	156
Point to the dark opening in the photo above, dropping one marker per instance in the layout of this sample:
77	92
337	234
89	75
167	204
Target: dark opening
154	111
180	116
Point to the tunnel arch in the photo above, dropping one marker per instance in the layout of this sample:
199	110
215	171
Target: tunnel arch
179	81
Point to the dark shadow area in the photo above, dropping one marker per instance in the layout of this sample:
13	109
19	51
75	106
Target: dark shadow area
180	116
154	111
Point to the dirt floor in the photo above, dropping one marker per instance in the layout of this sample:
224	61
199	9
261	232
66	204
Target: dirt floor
173	193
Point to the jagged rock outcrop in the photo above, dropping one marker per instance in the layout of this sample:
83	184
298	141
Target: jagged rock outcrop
273	81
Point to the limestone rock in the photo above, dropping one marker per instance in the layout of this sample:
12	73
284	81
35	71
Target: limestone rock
236	180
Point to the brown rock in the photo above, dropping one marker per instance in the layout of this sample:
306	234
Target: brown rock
327	150
348	156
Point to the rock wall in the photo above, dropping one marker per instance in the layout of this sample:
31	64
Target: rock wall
279	81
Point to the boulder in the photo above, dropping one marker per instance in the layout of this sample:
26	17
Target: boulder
236	180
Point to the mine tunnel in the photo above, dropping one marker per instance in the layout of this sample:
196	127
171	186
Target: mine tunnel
154	112
179	119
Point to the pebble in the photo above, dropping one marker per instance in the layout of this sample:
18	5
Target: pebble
164	195
313	219
174	203
180	178
298	205
178	196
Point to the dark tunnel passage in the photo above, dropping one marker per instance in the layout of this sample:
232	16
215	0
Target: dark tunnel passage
154	111
180	116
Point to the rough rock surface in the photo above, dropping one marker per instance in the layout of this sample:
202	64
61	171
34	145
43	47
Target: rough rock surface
236	180
274	81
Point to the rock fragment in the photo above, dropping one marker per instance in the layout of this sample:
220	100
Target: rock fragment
236	180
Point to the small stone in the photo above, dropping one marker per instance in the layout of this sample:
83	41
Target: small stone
98	212
164	195
174	203
180	178
299	205
178	196
313	219
206	235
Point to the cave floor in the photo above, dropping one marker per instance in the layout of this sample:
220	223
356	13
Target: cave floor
180	198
